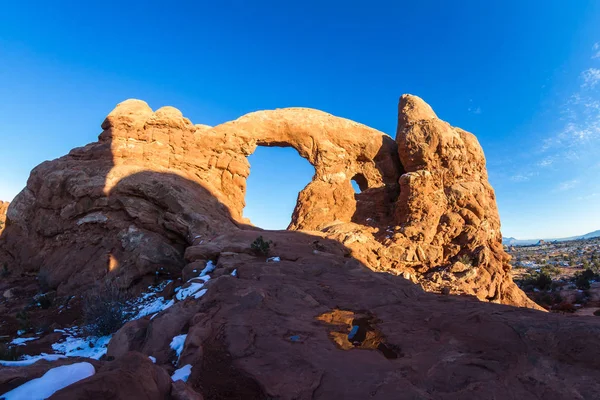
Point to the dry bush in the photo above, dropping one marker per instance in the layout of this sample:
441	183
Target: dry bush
105	309
564	307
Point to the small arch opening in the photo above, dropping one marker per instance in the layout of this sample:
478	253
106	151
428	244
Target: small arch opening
359	183
277	175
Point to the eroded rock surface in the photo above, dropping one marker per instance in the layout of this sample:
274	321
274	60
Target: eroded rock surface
128	206
3	208
285	330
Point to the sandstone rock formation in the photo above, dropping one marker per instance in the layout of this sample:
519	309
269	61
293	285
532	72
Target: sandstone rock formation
3	208
154	184
281	330
157	198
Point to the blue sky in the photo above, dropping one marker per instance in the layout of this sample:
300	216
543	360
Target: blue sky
523	76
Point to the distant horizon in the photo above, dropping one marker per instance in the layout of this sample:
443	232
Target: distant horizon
550	238
524	79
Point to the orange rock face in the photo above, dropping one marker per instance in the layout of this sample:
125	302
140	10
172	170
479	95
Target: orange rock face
3	208
154	185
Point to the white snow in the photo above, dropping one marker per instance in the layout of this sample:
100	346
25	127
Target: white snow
177	344
182	374
273	259
90	347
153	359
234	273
152	307
150	303
210	267
21	341
28	360
188	291
51	382
75	343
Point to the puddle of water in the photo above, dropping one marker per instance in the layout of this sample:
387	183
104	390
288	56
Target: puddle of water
358	330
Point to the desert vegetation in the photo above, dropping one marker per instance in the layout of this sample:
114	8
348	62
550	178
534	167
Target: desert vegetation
561	277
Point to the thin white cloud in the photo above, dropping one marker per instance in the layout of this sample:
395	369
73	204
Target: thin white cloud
567	185
523	176
519	178
546	162
582	127
589	196
577	139
591	77
596	50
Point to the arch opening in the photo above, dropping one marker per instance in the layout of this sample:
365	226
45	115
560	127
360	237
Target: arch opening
277	175
359	183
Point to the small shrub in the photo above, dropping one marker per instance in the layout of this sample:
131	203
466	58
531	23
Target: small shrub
564	307
260	246
597	313
582	282
550	271
105	309
465	259
539	280
546	299
23	320
9	353
45	302
544	281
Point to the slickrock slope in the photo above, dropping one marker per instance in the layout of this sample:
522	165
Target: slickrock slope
281	330
154	184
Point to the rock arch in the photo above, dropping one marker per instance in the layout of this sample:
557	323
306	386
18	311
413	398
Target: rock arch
338	149
156	178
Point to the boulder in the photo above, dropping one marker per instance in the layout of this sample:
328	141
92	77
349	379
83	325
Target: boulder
129	338
12	377
132	376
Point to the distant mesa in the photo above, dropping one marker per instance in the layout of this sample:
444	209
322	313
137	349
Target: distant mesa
511	241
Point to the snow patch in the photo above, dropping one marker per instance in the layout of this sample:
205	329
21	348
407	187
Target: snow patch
150	303
273	259
21	341
188	291
52	381
210	267
90	347
153	359
177	344
28	360
182	374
